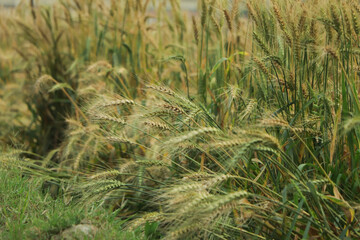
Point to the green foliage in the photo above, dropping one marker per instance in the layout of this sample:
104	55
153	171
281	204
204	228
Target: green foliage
29	213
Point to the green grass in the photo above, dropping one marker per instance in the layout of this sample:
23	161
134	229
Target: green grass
28	213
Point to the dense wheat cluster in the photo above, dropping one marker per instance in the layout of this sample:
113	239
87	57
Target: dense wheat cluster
239	121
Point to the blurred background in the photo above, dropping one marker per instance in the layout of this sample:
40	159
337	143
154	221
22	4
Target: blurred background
185	4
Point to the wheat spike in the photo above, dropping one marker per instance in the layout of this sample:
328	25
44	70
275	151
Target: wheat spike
313	29
261	43
118	103
97	183
226	199
161	89
158	125
266	149
150	163
281	22
249	109
82	152
278	16
228	20
148	217
99	65
162	113
262	66
347	20
355	22
332	52
234	9
216	180
335	19
180	231
320	181
252	13
302	21
196	176
192	134
110	186
104	117
184	188
106	174
196	31
356	6
173	108
203	13
119	140
216	25
42	82
234	142
211	7
274	122
200	196
328	28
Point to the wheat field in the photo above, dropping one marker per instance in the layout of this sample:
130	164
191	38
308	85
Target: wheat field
238	121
